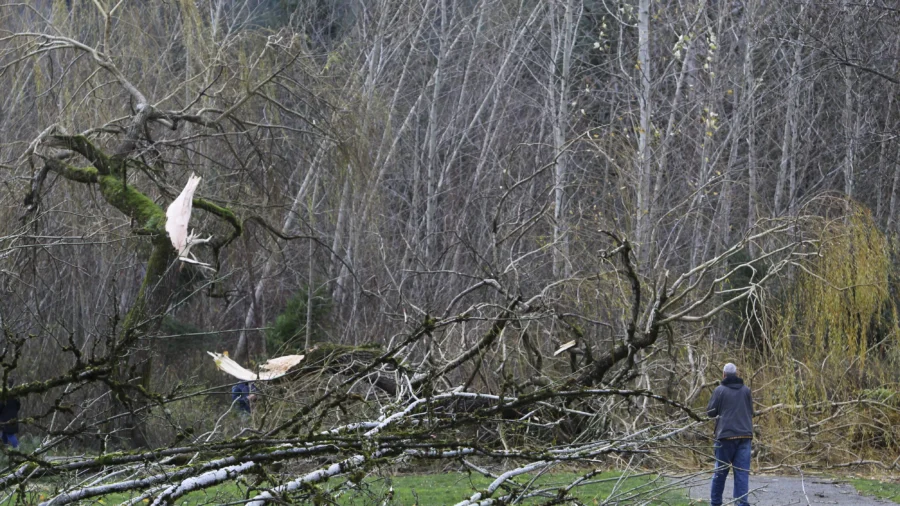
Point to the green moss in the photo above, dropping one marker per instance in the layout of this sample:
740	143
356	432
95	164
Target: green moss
109	458
322	352
133	203
80	174
80	144
157	264
222	212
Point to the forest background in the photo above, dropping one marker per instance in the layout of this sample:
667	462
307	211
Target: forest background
565	214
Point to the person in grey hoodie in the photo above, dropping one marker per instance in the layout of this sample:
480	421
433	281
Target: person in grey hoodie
731	405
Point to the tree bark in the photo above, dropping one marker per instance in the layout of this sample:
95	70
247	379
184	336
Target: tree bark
790	126
644	168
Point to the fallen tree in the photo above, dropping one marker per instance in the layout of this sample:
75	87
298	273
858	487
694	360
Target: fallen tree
376	408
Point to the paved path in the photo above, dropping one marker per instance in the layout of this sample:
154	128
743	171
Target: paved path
793	490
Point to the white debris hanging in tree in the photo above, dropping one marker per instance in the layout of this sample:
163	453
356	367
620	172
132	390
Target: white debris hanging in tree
178	215
274	368
570	344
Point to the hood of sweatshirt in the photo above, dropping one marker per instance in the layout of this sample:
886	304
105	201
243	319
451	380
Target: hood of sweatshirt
733	382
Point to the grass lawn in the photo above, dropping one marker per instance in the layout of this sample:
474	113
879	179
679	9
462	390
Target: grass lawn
441	489
450	488
879	489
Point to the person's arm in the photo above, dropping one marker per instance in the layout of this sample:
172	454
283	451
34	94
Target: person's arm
712	409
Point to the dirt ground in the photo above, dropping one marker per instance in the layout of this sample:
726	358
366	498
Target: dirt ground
791	490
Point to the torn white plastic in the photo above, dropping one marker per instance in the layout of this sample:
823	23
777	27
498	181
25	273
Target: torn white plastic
274	368
570	344
178	216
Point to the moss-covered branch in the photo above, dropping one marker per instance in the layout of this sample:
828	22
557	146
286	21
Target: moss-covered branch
223	213
81	145
133	203
142	309
72	173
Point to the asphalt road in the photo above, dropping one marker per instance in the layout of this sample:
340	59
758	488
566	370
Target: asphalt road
792	490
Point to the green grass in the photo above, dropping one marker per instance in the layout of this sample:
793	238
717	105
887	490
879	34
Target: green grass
450	488
437	489
879	489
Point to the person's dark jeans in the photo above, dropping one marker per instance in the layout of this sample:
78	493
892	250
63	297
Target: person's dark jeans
9	439
731	453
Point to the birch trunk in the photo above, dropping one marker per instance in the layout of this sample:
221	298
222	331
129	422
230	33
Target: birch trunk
850	123
790	120
642	221
562	42
431	178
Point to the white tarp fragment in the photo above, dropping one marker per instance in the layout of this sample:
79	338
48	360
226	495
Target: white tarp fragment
179	214
570	344
274	368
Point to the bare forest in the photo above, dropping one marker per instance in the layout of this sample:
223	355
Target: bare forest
507	236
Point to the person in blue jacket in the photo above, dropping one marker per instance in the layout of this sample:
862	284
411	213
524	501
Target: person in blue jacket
731	405
9	419
244	394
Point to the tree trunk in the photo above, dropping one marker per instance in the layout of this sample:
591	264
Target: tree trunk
642	220
143	318
790	125
562	36
432	169
850	123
